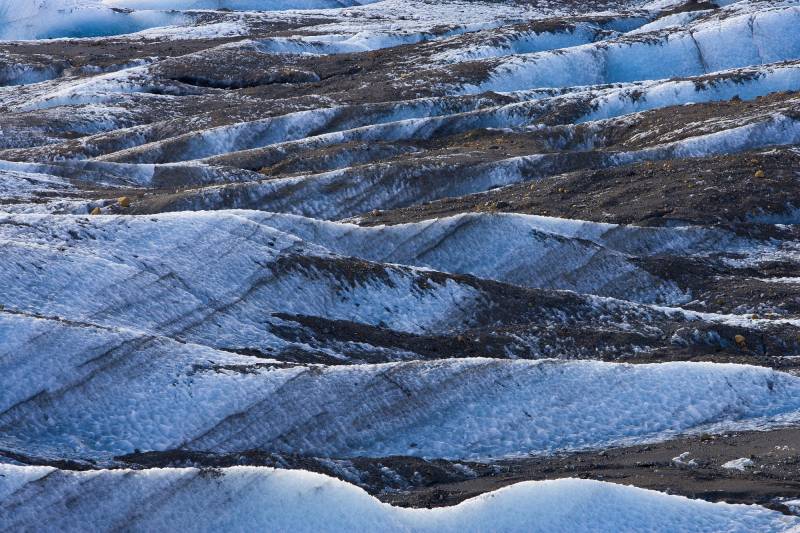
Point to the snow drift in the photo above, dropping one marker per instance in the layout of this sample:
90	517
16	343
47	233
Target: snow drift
249	499
100	392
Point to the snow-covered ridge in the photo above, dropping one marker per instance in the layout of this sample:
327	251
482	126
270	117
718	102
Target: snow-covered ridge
247	499
701	47
150	393
525	42
420	119
151	255
716	136
229	276
524	250
112	274
351	191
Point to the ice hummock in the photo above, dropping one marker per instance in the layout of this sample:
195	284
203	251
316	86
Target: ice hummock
251	499
153	393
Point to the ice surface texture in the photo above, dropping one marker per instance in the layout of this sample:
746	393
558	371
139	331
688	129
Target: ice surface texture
247	499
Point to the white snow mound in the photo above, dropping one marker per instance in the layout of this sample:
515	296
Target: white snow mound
254	499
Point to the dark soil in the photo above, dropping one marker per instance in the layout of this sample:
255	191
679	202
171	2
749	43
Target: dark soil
722	190
416	482
775	474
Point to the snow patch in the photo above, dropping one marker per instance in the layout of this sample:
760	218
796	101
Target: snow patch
738	464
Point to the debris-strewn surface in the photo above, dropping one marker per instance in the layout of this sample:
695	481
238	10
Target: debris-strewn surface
431	249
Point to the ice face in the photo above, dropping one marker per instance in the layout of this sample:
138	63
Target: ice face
45	19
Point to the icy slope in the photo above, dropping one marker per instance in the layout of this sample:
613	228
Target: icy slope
150	393
244	499
528	251
728	40
112	271
418	119
541	256
286	286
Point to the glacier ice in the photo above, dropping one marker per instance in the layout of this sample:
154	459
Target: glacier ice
248	499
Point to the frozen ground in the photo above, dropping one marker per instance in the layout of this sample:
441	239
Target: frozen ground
456	254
